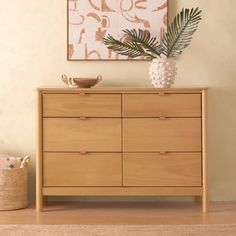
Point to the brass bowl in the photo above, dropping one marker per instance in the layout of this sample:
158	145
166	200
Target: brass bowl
81	82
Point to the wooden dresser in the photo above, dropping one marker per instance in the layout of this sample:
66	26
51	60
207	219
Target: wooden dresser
122	142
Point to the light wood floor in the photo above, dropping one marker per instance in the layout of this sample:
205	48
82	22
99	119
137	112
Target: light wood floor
120	213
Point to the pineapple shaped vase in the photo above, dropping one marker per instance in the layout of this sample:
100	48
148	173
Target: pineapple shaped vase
162	72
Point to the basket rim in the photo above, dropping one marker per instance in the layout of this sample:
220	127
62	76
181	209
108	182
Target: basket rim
13	169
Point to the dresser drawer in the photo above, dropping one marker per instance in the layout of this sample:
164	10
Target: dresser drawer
153	169
75	134
73	169
155	105
74	105
154	134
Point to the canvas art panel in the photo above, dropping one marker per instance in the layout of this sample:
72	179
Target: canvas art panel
89	21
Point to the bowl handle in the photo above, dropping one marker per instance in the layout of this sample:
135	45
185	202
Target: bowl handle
71	83
99	78
65	79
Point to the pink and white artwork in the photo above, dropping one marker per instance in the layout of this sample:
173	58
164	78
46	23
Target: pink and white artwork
89	21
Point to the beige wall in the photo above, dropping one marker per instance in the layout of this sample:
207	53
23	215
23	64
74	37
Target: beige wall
33	54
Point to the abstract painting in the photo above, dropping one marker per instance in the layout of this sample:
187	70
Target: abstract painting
89	21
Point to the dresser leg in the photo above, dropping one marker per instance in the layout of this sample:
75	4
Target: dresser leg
204	152
205	202
39	203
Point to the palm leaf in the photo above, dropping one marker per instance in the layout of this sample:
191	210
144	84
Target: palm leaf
126	48
144	39
179	33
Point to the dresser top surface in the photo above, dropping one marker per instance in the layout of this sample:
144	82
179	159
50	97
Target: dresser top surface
121	90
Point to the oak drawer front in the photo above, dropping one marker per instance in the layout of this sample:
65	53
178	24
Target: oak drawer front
74	105
172	169
154	105
74	134
74	169
153	134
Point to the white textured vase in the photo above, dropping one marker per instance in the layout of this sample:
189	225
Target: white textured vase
162	72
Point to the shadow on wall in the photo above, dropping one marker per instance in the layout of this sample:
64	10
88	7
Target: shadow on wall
222	129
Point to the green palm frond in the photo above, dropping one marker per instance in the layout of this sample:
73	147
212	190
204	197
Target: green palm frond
126	48
144	39
179	33
139	42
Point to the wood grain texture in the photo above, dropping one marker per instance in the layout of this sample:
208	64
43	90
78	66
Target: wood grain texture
153	169
110	90
92	121
122	191
39	147
115	230
156	105
118	230
73	134
135	213
154	135
81	104
75	169
205	152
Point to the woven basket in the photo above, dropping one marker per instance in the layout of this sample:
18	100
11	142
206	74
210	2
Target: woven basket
14	187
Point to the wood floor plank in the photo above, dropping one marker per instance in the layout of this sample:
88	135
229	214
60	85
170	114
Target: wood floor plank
123	213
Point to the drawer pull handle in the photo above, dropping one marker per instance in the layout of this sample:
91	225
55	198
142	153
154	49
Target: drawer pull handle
163	153
162	118
82	94
161	94
83	118
83	152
